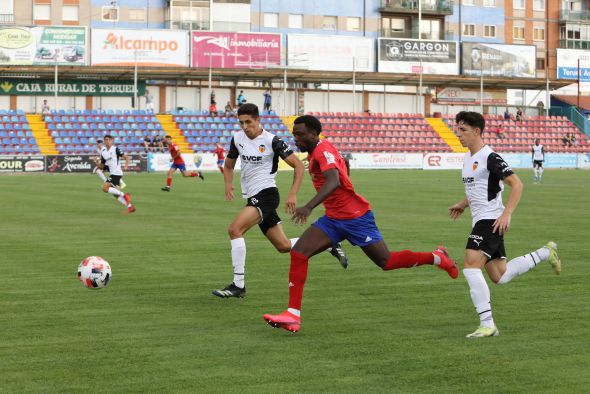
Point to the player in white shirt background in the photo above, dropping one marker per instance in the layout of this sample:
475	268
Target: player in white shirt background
101	168
484	172
538	156
111	157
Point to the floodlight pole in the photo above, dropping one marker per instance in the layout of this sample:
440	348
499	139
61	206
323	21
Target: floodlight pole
579	79
285	91
135	106
420	98
210	76
55	85
354	84
481	85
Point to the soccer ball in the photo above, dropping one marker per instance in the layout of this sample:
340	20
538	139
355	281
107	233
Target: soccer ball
94	272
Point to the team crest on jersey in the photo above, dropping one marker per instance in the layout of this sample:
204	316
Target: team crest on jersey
261	148
474	166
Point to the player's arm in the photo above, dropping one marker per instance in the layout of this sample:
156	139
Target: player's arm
457	210
332	182
228	170
294	162
126	157
498	167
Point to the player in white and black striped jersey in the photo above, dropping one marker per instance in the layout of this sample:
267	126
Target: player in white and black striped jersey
111	157
484	172
259	152
538	156
101	168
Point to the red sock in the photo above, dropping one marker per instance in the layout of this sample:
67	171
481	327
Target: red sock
169	181
194	174
297	277
407	259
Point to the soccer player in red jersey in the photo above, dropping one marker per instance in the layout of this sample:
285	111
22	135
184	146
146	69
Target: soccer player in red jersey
220	152
177	164
348	216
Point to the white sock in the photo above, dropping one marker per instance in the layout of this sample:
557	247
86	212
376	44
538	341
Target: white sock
293	241
123	184
436	259
238	259
101	175
540	173
480	295
296	312
115	192
523	264
121	199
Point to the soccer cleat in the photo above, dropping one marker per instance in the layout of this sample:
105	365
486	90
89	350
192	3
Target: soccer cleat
230	291
483	332
553	257
446	263
338	252
127	198
166	189
200	175
130	209
285	320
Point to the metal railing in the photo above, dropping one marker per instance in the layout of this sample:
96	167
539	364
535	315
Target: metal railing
411	6
574	44
6	18
570	16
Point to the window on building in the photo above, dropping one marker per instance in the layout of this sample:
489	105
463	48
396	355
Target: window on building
398	25
540	63
518	33
489	3
469	30
137	14
69	13
110	14
271	20
330	23
539	5
189	15
430	29
468	2
489	31
295	21
353	24
539	34
41	12
519	4
6	7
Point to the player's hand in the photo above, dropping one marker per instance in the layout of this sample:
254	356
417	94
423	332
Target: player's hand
455	211
301	214
291	204
229	193
502	224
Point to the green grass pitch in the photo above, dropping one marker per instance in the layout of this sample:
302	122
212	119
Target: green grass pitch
157	328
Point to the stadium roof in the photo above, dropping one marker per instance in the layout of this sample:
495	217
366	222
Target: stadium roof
573	100
294	75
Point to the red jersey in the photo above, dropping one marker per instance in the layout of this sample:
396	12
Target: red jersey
344	202
173	151
220	152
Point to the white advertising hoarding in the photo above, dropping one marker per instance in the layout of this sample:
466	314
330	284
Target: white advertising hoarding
386	160
499	60
330	53
443	161
418	56
567	64
154	48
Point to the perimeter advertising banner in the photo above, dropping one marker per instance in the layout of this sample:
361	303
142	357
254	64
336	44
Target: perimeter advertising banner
40	87
235	50
22	163
330	53
567	64
153	48
418	56
498	60
452	95
43	45
85	163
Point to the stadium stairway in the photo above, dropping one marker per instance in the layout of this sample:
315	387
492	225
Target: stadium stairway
288	122
171	129
446	134
44	140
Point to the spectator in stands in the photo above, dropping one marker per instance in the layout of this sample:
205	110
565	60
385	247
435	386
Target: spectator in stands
267	100
212	99
241	98
519	115
368	112
500	131
153	144
213	109
149	101
567	139
229	111
147	144
507	115
45	110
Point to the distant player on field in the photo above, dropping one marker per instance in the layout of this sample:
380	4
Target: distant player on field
220	153
101	169
538	156
177	164
483	173
259	152
111	157
348	216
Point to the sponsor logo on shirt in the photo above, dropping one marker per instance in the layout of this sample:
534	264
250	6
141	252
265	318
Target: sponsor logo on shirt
261	148
468	179
329	158
252	159
474	166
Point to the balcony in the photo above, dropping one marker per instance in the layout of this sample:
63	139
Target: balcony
574	16
574	44
6	19
429	7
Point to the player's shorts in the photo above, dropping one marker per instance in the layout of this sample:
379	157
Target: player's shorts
181	167
490	243
361	231
114	180
538	163
266	201
220	163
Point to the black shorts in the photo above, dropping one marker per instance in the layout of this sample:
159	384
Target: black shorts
114	180
266	201
482	238
537	163
105	168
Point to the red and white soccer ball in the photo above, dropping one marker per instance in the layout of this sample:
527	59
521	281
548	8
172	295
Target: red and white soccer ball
94	272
